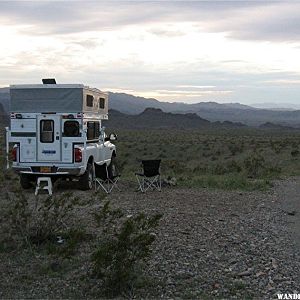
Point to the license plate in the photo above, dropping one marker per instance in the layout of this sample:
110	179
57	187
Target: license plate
45	169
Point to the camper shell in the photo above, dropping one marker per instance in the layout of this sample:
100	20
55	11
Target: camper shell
56	130
58	98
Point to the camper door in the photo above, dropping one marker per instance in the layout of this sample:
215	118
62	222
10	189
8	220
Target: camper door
49	138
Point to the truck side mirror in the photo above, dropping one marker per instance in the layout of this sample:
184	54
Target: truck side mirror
113	137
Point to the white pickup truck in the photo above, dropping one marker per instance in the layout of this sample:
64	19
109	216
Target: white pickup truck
56	131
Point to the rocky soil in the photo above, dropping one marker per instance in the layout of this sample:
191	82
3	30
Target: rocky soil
210	244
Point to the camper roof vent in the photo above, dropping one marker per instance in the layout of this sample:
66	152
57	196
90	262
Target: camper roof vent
49	81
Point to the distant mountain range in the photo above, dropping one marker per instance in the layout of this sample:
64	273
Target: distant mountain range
207	111
212	111
4	98
276	106
4	104
130	104
155	118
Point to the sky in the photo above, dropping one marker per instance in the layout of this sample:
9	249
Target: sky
185	51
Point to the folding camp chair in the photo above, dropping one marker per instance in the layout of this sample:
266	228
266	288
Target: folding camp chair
149	177
106	179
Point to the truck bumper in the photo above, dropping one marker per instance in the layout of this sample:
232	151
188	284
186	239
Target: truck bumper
60	171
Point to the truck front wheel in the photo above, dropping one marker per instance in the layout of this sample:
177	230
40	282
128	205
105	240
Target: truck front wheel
25	181
86	180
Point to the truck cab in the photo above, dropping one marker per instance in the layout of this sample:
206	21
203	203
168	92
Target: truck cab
56	131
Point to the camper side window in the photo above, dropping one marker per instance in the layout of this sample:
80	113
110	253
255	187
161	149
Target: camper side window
97	130
93	130
90	130
71	129
101	103
47	131
89	100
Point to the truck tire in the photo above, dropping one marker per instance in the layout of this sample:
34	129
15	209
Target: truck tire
86	180
25	181
112	169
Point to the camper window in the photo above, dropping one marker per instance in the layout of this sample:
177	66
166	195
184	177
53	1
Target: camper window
101	103
89	100
93	130
47	131
71	128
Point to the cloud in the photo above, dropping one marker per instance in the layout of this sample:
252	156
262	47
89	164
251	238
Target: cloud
167	33
284	82
279	22
183	50
253	20
196	86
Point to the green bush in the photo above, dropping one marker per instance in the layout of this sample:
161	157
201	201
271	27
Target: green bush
123	248
219	169
233	167
235	148
70	239
295	152
226	168
254	165
227	182
42	220
272	171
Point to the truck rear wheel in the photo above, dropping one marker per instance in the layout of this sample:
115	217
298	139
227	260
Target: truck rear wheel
25	181
86	180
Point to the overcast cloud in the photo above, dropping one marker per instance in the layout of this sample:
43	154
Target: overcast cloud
235	51
241	19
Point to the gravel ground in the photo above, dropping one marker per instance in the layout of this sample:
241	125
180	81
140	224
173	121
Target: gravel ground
210	244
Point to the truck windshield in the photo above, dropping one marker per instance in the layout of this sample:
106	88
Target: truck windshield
71	128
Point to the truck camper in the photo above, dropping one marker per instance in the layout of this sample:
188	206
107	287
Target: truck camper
56	131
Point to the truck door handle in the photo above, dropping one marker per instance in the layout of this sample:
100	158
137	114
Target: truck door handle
57	138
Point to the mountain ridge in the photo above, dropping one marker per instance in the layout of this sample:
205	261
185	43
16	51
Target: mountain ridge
212	111
155	118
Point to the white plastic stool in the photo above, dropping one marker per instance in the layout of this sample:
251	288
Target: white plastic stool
47	187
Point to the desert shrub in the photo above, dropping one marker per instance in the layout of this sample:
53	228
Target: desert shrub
272	171
200	169
277	149
233	167
123	248
235	148
276	146
219	169
207	154
176	166
42	220
66	244
295	152
218	152
228	182
254	165
230	167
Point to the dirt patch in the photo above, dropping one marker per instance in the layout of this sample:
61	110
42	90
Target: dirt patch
289	193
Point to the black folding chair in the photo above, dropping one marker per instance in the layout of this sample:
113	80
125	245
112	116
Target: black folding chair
149	177
105	178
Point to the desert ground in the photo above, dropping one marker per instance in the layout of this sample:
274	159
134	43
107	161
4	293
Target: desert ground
209	244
